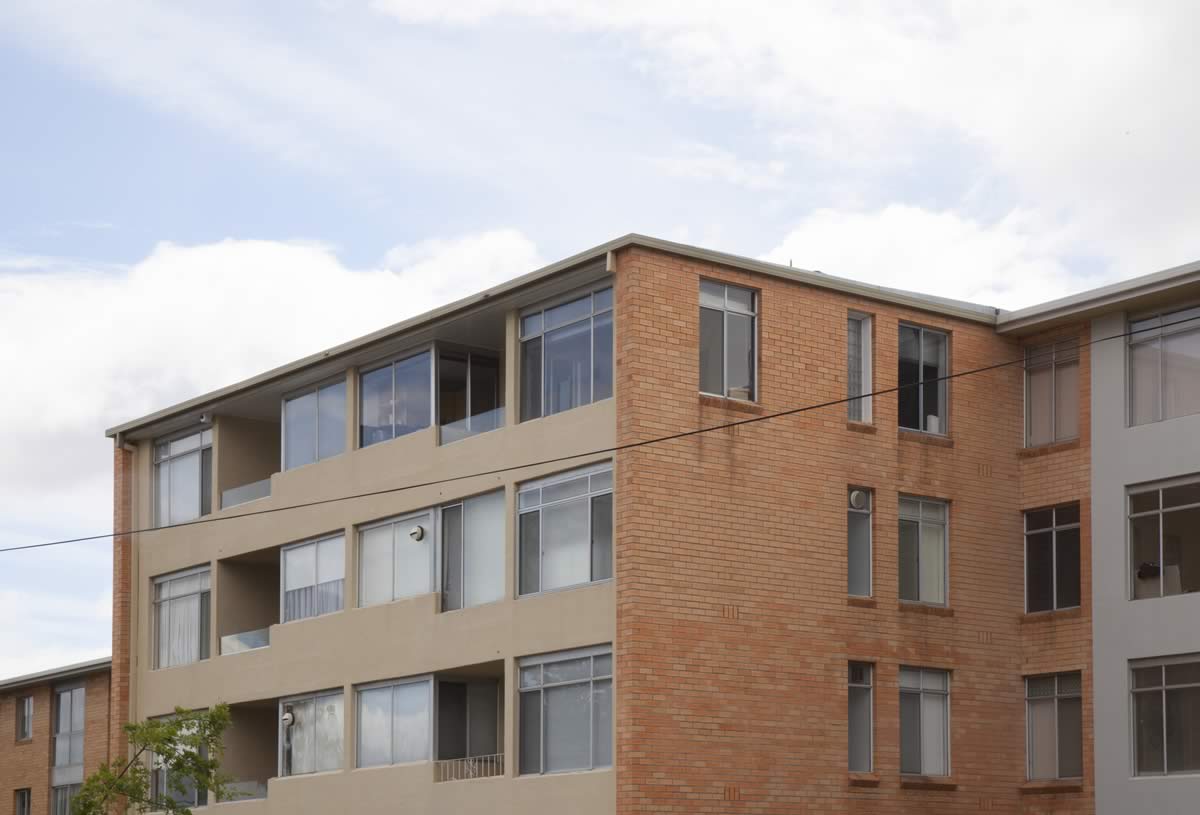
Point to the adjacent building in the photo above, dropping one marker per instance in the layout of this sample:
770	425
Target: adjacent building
481	561
60	733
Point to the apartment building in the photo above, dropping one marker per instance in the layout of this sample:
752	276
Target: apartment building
60	733
453	566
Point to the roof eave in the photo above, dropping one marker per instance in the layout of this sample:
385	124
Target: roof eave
57	674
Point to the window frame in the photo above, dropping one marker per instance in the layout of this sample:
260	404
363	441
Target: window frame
922	691
541	660
280	730
315	542
431	745
1161	663
470	352
1058	695
869	512
921	521
71	773
920	383
24	717
1156	334
589	291
1053	529
433	533
70	790
869	687
753	314
207	438
863	402
440	555
389	362
588	471
23	801
205	645
1143	489
1036	359
160	784
314	389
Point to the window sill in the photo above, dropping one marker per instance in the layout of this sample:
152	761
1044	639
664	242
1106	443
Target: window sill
1053	616
862	779
23	741
728	403
1048	449
862	427
909	606
932	439
927	782
862	602
1051	786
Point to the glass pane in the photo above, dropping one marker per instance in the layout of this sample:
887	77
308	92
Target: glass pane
602	723
375	566
1043	740
328	733
374	727
1143	383
566	555
567	727
162	489
1143	501
206	481
376	402
331	559
602	537
602	481
859	673
1070	684
910	508
412	719
300	430
935	680
602	300
1039	519
530	553
933	511
184	444
565	489
1181	374
1039	405
483	549
1070	738
1066	402
531	379
1183	730
566	670
1066	514
933	734
452	388
602	665
602	357
1144	551
1151	677
933	563
910	678
739	366
859	558
531	676
712	294
531	324
1148	731
738	299
909	546
712	350
854	367
568	367
300	567
1181	551
910	733
1182	495
1041	686
302	753
413	573
185	488
452	559
1039	571
331	420
62	751
568	312
1067	577
859	717
933	367
485	387
909	393
531	732
413	397
1187	673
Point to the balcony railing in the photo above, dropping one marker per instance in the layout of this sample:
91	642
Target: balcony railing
245	791
245	641
464	769
473	425
245	493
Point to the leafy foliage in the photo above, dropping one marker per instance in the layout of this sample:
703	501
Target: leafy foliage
187	747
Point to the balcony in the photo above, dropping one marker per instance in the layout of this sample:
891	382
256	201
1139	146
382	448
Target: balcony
466	769
246	493
248	603
251	749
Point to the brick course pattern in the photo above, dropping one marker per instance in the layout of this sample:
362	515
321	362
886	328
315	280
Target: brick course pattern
733	625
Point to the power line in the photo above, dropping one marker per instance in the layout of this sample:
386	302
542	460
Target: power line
600	451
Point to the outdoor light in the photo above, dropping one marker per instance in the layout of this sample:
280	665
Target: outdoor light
288	717
417	532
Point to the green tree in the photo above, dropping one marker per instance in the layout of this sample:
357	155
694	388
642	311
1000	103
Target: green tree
182	750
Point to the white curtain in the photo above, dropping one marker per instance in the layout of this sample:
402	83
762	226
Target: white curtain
566	550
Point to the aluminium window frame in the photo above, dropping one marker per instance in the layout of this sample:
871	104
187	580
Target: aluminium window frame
314	541
753	314
440	554
432	744
900	516
920	383
1161	663
1058	695
154	603
201	430
865	402
949	728
870	513
469	351
590	291
315	389
1073	346
434	532
23	706
279	731
23	801
541	660
55	734
1053	529
586	471
869	686
389	362
1142	489
1154	334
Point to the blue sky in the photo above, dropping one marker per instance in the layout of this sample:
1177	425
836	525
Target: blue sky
193	193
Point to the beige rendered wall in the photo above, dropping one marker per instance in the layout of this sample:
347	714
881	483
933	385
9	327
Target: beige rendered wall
244	451
251	597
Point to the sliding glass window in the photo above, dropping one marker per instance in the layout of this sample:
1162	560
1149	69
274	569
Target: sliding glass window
567	355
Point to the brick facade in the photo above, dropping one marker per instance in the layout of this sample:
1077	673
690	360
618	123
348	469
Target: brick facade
122	591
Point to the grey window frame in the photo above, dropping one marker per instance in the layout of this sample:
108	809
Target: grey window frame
440	555
1054	529
523	337
1141	333
590	471
1048	355
921	521
433	533
470	353
70	790
71	773
869	512
23	801
920	383
205	648
860	406
24	723
431	746
281	734
869	687
1059	694
157	460
1157	486
923	692
409	353
283	550
726	310
316	391
1161	663
540	661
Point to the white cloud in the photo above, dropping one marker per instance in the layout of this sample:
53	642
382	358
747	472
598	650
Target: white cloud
705	162
83	350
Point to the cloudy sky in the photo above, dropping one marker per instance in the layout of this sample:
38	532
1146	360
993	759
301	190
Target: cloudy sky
190	193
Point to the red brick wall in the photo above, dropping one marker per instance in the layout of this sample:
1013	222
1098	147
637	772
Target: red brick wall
122	588
734	628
